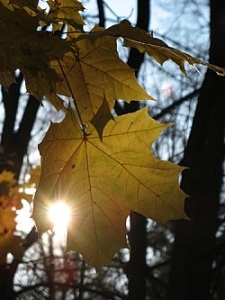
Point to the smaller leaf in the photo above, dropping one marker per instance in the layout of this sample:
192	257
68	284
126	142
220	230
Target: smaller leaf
32	4
159	50
7	221
7	176
66	11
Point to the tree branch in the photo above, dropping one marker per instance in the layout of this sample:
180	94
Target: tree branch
175	104
101	13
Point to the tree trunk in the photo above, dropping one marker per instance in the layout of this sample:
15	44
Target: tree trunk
14	149
137	235
136	271
191	273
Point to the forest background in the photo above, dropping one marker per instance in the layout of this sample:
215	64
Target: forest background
184	259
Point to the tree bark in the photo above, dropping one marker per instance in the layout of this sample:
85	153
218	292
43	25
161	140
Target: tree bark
191	273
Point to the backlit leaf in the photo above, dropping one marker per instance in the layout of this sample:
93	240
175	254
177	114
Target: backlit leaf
103	180
25	47
10	202
160	51
103	167
94	73
67	12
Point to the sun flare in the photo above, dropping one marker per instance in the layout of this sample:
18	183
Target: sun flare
59	214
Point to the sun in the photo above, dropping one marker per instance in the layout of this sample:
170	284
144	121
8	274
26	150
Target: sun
59	214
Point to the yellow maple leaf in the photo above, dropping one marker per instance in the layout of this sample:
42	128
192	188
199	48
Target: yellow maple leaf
10	196
103	180
154	47
10	202
94	73
8	242
66	11
8	177
26	48
7	220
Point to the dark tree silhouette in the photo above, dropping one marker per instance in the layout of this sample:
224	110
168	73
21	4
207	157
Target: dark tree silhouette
191	274
14	145
137	268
